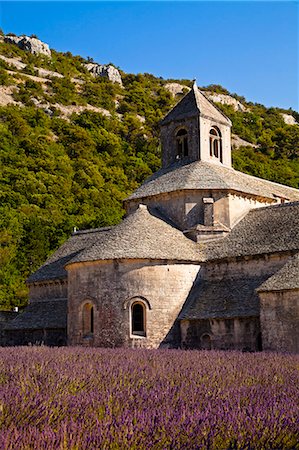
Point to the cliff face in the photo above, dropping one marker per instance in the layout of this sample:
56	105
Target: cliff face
30	44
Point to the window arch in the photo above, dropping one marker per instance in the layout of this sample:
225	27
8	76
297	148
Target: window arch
205	341
87	319
182	143
215	143
138	319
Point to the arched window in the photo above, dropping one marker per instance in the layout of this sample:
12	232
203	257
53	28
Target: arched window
215	143
138	317
205	341
182	143
88	319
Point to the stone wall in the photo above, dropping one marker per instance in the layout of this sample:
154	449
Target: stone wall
239	205
186	208
260	265
205	126
51	337
222	334
48	290
112	286
239	326
279	320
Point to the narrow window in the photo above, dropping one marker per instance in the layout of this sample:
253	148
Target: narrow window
182	144
215	143
138	319
88	320
259	342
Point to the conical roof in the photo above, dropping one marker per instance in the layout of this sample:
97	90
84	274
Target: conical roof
195	103
141	236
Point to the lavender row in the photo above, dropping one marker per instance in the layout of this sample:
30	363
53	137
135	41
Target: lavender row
77	398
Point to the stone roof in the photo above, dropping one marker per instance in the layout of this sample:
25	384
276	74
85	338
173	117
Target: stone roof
40	315
265	230
195	103
223	298
202	175
141	236
285	279
6	316
53	268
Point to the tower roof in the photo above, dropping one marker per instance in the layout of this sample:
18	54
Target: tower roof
141	236
195	103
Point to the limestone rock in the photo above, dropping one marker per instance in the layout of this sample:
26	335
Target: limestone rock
30	44
238	142
289	119
109	71
226	100
176	88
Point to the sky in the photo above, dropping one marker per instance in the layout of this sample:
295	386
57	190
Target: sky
248	47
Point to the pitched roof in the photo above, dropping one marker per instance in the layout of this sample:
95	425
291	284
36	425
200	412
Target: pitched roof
53	268
141	236
285	279
40	315
270	229
205	175
195	103
223	298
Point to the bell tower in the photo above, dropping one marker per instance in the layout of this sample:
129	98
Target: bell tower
195	130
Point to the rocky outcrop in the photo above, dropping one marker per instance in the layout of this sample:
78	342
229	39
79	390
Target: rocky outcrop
6	97
30	44
226	100
289	119
176	88
238	142
109	71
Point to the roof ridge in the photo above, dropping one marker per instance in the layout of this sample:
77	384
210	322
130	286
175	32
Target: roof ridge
92	230
214	106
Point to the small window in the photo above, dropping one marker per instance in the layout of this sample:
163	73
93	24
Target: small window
215	144
138	319
205	341
88	319
182	143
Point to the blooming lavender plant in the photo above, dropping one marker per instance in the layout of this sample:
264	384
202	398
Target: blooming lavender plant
78	398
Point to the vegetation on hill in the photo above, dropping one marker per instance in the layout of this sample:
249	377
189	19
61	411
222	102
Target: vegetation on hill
73	147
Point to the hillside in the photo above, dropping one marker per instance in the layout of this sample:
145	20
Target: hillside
78	137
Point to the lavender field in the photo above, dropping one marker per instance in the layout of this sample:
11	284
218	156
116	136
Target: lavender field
76	398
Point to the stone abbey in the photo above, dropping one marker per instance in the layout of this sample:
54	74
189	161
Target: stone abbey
206	257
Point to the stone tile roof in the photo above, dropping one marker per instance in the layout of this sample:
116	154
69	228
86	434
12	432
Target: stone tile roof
285	279
202	175
40	315
225	298
195	103
141	236
6	316
270	229
53	268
